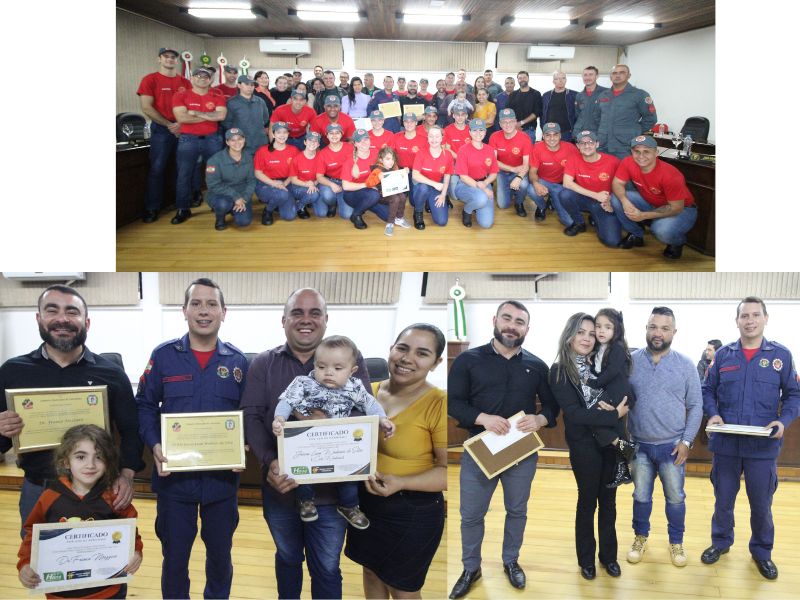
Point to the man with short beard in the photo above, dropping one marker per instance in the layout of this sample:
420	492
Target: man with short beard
663	423
486	386
63	360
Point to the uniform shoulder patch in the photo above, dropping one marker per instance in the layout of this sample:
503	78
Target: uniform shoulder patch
211	169
648	99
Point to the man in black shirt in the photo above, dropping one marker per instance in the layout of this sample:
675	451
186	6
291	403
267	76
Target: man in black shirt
527	105
558	106
63	360
486	386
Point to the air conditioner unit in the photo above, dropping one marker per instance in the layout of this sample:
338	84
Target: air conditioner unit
285	46
42	276
551	52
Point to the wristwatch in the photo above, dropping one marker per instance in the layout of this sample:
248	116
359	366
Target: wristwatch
689	445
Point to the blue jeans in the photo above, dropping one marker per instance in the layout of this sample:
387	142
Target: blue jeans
554	189
329	198
504	191
276	198
652	460
302	199
191	149
27	500
668	230
475	200
162	147
320	541
366	199
222	205
423	193
569	205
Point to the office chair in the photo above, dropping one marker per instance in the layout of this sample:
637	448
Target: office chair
697	127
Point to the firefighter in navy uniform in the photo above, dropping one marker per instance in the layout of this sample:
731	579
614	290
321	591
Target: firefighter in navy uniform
196	373
751	382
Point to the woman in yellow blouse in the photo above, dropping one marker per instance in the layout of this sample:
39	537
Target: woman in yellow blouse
485	109
403	500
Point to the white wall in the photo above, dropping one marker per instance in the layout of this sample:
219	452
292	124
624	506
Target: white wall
678	71
697	321
135	331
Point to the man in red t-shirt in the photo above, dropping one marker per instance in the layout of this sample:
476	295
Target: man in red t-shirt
587	187
298	116
155	99
661	195
332	114
548	159
228	89
513	149
199	111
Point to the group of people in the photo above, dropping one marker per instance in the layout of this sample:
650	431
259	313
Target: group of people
297	149
597	382
393	523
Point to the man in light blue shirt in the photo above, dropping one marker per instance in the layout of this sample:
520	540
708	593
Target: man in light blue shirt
663	423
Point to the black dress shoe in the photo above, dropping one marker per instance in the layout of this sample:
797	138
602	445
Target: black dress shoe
266	217
588	572
540	214
673	252
358	221
220	223
464	583
419	222
767	568
466	219
622	474
613	569
197	199
150	216
575	229
516	576
629	241
331	211
181	216
712	553
521	210
303	213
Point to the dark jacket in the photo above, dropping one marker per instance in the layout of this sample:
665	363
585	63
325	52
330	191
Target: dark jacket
613	377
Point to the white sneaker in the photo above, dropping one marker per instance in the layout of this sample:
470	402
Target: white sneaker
677	555
636	552
389	230
401	222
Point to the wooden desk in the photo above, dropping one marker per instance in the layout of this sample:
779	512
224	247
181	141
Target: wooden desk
133	164
700	179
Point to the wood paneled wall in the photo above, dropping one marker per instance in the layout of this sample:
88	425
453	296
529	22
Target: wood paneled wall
513	57
419	56
722	286
99	289
501	286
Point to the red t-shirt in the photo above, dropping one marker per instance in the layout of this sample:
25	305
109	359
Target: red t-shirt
433	168
551	164
203	357
297	123
275	164
427	96
596	176
208	102
455	137
321	122
403	93
329	163
228	92
376	142
475	163
749	353
407	149
364	168
162	89
660	186
304	168
511	151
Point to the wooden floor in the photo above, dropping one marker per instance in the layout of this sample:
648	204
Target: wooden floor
512	244
548	553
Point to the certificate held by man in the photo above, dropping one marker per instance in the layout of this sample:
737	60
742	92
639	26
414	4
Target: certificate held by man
202	441
82	554
327	450
49	412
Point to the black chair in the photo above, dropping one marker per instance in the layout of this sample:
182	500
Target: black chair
114	357
697	127
378	369
136	121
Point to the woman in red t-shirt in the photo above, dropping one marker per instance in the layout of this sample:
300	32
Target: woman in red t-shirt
476	167
272	163
329	171
355	171
433	167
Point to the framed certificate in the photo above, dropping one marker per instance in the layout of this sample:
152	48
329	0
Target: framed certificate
363	123
418	110
394	182
49	412
82	554
203	441
495	453
390	109
323	450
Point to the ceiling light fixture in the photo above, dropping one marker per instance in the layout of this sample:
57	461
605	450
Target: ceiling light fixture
431	18
614	25
342	16
538	22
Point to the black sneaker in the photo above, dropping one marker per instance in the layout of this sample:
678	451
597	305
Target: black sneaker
419	222
358	221
540	214
331	211
308	511
303	213
521	210
629	241
266	217
466	219
575	229
673	252
220	224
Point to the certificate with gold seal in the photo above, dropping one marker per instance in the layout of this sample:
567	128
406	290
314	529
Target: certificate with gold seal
203	441
48	412
82	554
325	450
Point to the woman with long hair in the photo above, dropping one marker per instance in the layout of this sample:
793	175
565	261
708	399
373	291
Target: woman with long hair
262	89
355	102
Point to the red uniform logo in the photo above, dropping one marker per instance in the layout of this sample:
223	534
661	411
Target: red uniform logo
488	162
655	190
515	151
603	176
210	106
564	162
442	169
415	149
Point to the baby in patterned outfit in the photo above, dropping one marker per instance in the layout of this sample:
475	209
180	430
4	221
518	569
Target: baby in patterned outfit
332	389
